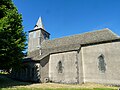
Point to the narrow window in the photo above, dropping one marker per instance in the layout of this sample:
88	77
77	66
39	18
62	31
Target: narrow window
45	36
101	63
60	67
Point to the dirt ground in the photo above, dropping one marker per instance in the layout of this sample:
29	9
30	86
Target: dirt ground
54	85
8	82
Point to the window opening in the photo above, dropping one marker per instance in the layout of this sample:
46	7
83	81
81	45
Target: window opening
60	67
101	63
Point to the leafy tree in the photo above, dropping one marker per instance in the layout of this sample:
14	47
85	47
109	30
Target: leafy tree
12	37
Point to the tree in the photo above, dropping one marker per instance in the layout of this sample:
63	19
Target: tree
12	36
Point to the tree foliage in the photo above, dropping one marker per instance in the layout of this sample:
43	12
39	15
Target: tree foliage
12	37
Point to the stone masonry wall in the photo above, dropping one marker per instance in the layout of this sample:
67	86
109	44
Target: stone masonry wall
34	40
63	67
101	63
44	70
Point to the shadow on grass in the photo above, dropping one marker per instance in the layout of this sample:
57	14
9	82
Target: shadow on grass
6	82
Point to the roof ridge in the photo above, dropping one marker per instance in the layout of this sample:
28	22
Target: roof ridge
112	32
85	38
100	30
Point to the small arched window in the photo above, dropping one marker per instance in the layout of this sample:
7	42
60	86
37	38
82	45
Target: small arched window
101	63
60	67
45	36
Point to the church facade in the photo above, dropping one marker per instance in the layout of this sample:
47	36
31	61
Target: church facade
88	57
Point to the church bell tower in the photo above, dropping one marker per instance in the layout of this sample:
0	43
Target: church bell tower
37	36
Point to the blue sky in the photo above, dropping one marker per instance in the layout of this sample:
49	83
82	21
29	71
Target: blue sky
67	17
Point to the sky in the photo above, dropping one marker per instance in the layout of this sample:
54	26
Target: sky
68	17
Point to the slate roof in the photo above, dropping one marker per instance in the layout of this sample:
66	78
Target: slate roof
85	38
74	42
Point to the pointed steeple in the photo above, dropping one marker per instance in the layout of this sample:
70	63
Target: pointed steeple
38	35
39	24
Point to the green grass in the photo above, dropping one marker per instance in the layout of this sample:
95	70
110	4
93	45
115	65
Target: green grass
3	72
55	89
9	84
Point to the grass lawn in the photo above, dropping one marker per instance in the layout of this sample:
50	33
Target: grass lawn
9	84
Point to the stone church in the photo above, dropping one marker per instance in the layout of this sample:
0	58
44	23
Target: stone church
88	57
